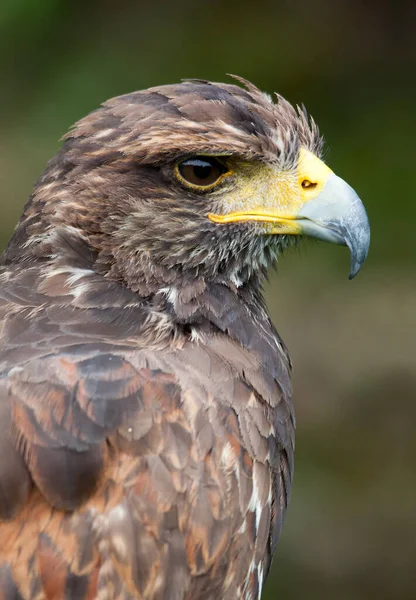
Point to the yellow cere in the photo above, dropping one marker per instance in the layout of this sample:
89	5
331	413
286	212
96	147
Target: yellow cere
263	193
313	170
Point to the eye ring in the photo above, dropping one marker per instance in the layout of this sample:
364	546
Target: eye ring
201	173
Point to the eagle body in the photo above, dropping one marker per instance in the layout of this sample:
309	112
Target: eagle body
147	427
164	456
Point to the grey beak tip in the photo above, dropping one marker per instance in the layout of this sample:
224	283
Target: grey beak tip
358	241
356	264
354	271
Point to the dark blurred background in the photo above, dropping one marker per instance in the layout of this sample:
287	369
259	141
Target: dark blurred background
351	528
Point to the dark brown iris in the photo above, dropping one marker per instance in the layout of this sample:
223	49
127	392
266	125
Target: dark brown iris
202	171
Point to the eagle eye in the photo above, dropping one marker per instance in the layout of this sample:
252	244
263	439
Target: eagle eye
201	172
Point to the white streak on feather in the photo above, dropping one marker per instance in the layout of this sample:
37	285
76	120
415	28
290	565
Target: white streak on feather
104	133
236	280
254	504
260	575
73	273
228	460
243	527
171	294
196	336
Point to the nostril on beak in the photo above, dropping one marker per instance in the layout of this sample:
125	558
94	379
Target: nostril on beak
308	185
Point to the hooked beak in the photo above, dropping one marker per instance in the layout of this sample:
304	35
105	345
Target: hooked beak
324	206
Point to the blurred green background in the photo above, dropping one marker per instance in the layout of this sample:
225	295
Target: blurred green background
351	528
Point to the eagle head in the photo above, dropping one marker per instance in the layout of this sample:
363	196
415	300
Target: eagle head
189	181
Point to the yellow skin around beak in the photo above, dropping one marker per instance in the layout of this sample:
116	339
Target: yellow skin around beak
307	200
281	194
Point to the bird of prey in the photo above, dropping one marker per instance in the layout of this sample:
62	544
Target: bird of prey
147	427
